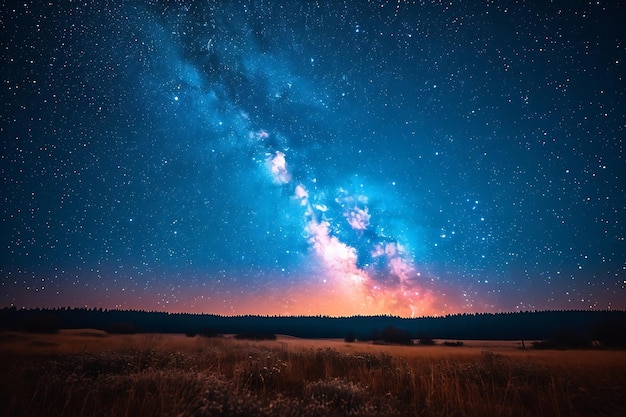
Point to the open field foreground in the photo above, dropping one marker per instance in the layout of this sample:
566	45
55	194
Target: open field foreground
90	373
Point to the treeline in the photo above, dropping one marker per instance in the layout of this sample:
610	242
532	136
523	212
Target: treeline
609	327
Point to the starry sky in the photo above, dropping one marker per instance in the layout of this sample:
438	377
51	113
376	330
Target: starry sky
313	157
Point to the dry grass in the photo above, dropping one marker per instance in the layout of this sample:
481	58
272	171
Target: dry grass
90	373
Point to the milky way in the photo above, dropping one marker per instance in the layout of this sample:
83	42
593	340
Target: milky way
279	157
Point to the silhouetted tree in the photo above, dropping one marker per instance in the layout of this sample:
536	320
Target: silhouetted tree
42	323
121	328
391	334
610	333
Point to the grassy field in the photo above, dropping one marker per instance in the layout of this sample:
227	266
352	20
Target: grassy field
90	373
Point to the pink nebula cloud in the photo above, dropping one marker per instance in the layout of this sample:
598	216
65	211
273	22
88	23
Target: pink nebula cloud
277	165
361	291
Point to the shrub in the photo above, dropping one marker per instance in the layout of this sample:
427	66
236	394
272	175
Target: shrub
564	340
350	337
426	341
448	343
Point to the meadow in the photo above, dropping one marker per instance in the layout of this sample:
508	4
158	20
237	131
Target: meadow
91	373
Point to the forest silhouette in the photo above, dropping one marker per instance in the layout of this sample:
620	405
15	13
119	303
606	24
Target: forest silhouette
572	328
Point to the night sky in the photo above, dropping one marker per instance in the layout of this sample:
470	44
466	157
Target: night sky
321	157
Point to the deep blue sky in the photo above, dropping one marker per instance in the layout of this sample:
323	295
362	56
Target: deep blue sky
328	157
